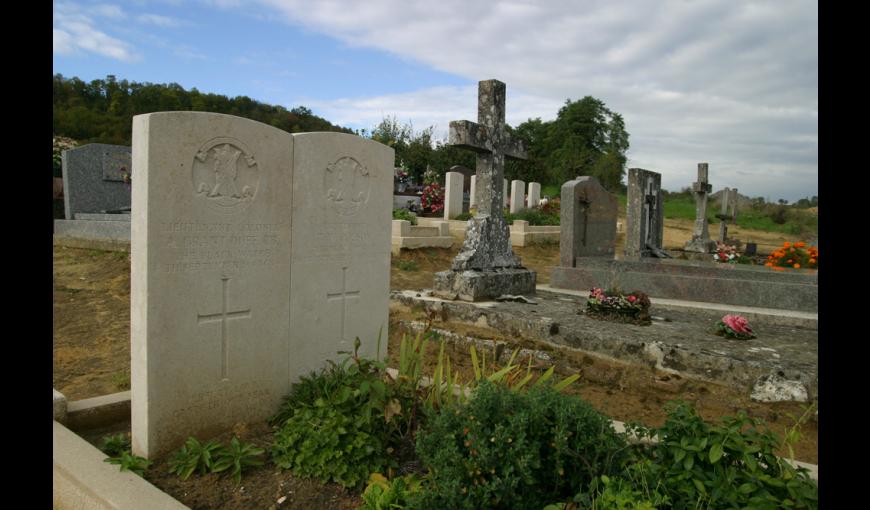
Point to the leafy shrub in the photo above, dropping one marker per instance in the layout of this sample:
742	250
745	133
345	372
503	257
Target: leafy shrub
535	217
607	493
194	456
383	494
728	465
507	449
464	216
343	423
115	444
130	462
404	214
237	456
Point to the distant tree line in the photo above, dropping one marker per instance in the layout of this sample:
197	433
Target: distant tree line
586	138
101	111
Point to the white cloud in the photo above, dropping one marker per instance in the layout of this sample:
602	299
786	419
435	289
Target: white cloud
157	20
734	83
75	31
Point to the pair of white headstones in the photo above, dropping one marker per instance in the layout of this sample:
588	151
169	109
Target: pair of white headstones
256	255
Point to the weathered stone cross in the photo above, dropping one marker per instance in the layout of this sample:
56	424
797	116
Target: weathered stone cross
700	241
486	266
223	316
490	139
344	295
487	242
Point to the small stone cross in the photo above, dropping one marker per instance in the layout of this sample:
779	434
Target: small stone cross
650	199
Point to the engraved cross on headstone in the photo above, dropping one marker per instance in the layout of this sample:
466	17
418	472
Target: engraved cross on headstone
343	296
650	199
223	316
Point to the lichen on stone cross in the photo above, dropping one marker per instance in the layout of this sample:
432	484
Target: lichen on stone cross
487	241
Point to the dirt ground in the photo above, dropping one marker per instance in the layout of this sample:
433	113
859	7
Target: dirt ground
92	358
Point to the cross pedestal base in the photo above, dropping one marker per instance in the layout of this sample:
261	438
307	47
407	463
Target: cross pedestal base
473	285
700	246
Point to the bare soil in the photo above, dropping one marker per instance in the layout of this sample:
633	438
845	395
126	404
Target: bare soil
92	358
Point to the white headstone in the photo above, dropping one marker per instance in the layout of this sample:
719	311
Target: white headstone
472	191
518	195
342	217
506	196
534	194
210	275
224	312
453	195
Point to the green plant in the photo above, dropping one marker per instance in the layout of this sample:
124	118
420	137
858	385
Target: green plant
343	423
237	456
535	216
121	380
464	216
727	465
114	445
606	493
513	449
194	456
404	214
383	494
407	265
130	462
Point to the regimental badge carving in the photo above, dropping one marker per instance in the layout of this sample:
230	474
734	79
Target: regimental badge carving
225	174
346	184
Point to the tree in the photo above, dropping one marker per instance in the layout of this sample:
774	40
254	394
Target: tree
587	138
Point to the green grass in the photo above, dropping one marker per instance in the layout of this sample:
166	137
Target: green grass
797	222
550	190
407	265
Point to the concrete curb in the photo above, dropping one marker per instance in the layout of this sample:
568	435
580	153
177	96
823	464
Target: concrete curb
81	480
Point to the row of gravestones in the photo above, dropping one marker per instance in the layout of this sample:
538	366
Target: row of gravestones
589	212
457	181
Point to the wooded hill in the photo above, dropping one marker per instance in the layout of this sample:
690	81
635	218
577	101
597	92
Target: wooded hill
102	111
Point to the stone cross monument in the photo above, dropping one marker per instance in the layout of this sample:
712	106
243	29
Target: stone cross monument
700	241
486	266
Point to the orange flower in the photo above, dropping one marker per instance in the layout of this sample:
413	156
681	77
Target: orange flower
800	244
797	266
786	244
812	261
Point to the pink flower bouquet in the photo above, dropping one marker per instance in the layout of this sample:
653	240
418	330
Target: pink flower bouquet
734	326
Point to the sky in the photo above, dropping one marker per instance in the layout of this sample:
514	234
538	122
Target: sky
731	83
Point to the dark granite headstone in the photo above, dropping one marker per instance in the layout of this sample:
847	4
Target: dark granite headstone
94	178
588	219
645	220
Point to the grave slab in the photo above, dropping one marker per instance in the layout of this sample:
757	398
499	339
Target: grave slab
734	284
680	339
